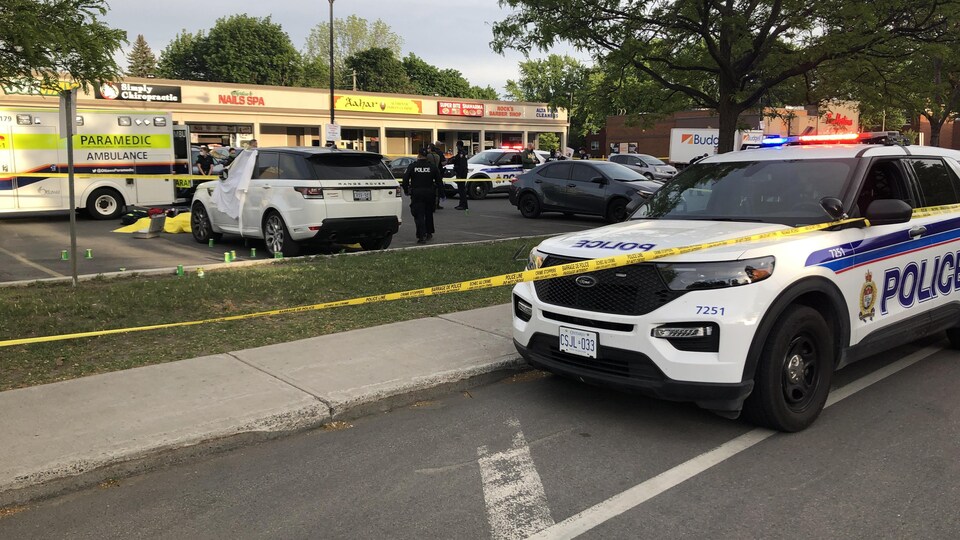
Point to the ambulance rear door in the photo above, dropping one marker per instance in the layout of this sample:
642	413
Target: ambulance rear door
8	198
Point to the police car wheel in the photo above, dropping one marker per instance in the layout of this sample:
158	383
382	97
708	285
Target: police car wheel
200	225
277	237
529	206
105	203
793	375
953	335
478	190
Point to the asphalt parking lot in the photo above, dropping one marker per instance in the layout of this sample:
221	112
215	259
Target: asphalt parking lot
30	246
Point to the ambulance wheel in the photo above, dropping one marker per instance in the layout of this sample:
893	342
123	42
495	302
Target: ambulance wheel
105	203
953	334
277	237
529	206
616	211
200	225
373	244
793	375
478	190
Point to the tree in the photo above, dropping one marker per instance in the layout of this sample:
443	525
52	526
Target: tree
45	40
140	61
252	50
549	141
484	92
378	70
351	35
183	58
724	56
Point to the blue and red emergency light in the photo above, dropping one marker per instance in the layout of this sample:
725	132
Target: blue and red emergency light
872	137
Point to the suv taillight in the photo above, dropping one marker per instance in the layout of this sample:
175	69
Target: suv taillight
310	192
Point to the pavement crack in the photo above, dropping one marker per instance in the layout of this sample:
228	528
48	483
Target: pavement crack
284	380
461	323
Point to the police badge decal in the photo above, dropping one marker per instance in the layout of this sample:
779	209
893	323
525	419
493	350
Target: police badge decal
868	298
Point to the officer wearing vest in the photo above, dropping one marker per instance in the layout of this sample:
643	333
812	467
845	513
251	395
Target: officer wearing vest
436	157
421	182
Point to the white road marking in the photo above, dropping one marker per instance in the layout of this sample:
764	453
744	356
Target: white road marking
644	491
512	490
31	264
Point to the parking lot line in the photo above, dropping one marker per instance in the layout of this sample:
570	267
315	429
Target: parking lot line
622	502
31	264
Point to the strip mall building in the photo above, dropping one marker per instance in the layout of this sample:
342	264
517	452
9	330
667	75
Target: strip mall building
393	124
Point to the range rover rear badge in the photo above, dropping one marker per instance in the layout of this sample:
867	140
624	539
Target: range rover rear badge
585	281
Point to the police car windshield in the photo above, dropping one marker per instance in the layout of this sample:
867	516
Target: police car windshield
786	192
487	157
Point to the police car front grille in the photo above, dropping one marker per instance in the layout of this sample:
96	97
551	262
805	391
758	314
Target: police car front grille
628	290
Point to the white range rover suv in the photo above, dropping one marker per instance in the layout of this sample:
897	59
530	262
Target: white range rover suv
759	326
300	195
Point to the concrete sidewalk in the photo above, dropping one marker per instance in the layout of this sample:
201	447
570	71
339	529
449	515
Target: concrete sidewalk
61	436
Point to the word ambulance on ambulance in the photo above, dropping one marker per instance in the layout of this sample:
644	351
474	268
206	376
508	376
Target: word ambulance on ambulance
120	145
758	326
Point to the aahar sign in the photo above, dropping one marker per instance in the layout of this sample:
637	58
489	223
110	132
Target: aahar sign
378	105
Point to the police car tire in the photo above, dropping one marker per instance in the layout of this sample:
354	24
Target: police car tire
953	334
478	190
529	206
104	195
786	404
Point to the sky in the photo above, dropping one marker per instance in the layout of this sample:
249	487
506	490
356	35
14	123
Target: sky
452	34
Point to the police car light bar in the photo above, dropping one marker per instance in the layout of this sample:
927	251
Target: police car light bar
875	137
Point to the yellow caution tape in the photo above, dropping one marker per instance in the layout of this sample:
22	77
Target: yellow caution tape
112	175
463	286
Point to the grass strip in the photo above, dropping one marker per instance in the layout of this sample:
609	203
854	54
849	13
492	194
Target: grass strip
46	309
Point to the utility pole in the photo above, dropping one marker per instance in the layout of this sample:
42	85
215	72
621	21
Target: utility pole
354	80
331	63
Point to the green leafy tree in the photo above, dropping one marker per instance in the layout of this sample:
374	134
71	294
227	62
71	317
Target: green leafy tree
378	70
549	141
252	50
141	62
46	40
183	58
482	92
351	35
724	56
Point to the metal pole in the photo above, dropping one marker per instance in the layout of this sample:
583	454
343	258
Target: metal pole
331	63
70	184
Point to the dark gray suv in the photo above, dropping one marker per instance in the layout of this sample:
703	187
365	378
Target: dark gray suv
599	188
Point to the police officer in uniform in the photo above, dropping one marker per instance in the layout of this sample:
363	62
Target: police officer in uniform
436	157
421	182
461	170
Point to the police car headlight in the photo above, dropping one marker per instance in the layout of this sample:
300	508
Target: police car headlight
715	275
534	260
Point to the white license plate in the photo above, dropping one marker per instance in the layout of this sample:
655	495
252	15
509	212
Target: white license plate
361	194
579	342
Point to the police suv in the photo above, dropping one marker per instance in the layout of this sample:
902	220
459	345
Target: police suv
758	326
498	166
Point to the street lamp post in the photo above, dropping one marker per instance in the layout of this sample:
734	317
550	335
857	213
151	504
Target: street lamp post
331	63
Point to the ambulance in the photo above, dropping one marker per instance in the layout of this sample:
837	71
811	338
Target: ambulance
121	145
758	326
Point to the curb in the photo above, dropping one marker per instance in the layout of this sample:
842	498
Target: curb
170	271
67	478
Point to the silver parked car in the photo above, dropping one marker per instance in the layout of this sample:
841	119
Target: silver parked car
649	166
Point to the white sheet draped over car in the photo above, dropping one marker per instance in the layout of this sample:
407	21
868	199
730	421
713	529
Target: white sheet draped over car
228	194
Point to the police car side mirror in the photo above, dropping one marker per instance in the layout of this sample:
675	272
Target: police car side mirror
833	207
599	180
888	212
